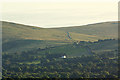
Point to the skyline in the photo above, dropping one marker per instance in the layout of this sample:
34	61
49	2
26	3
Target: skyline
59	14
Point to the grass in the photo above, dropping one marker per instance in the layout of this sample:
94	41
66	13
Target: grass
19	37
24	45
87	32
29	63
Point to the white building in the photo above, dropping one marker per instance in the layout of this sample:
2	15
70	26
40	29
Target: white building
64	56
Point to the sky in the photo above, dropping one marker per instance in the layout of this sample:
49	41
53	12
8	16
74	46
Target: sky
59	13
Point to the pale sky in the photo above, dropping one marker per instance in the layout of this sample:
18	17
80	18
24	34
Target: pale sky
59	13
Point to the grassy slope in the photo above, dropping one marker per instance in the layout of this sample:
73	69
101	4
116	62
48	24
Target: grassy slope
70	50
18	31
77	50
103	30
36	37
104	46
17	37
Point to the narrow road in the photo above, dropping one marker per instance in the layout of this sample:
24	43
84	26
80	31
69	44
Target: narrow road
68	35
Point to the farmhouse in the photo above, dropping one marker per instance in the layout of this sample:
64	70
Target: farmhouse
63	56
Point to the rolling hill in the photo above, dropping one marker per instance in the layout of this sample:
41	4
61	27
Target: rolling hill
31	52
28	37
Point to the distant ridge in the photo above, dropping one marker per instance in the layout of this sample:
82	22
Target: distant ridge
114	22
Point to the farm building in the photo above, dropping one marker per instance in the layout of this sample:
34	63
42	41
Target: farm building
64	56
